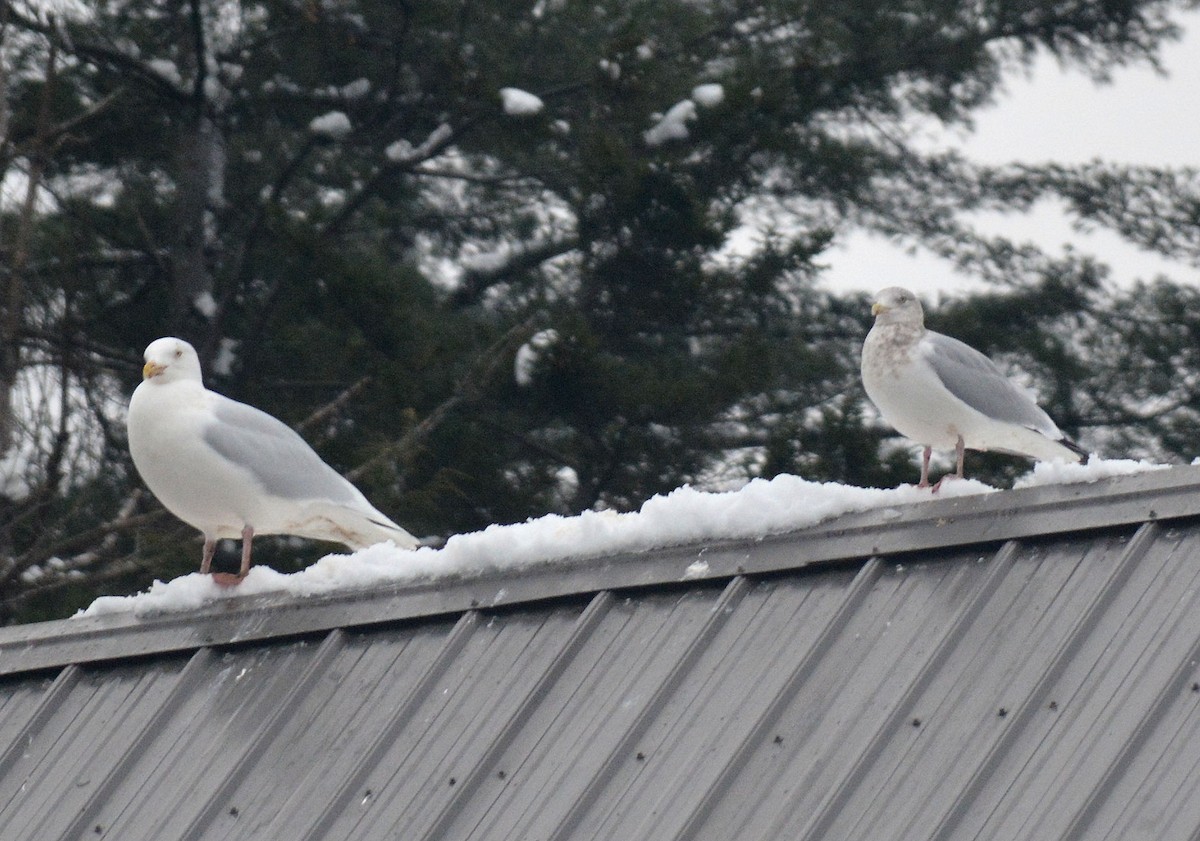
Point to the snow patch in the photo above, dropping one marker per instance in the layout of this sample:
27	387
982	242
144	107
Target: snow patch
335	124
356	89
566	480
167	70
529	354
696	569
672	125
519	103
205	304
403	152
226	357
708	96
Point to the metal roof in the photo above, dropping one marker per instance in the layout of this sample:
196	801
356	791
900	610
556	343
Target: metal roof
1019	665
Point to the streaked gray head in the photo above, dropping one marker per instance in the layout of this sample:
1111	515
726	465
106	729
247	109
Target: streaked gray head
170	359
896	305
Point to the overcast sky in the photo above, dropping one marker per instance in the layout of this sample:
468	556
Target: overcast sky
1142	118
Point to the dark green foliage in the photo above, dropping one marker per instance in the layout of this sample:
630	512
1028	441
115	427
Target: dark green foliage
373	286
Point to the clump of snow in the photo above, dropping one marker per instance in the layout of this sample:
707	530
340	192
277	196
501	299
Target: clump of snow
762	507
672	125
332	197
519	103
335	124
696	569
529	353
402	152
356	89
222	365
1061	473
708	96
215	92
166	69
205	304
566	481
398	151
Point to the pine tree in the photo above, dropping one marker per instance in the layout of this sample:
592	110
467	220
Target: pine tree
336	203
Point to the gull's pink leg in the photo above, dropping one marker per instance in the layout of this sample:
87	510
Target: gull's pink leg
210	546
960	449
247	541
924	483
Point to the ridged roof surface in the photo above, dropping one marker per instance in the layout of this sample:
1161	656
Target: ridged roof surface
1020	665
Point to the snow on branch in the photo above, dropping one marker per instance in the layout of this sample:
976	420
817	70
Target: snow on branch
404	154
519	103
482	272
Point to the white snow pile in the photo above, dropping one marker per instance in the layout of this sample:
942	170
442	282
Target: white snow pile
335	124
762	507
671	125
519	103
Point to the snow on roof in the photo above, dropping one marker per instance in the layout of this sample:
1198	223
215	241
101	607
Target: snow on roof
761	508
519	103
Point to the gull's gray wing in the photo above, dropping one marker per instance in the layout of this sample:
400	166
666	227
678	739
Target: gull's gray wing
278	458
977	381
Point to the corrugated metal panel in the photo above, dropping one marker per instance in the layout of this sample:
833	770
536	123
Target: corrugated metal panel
1038	686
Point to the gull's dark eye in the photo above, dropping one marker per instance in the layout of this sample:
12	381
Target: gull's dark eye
178	352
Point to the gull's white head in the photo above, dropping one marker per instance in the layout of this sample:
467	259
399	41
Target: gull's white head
896	305
170	359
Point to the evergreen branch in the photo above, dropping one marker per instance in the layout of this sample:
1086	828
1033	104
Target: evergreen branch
440	139
477	280
98	54
322	413
469	390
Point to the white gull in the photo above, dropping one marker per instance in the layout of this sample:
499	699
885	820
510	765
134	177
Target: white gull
944	394
232	471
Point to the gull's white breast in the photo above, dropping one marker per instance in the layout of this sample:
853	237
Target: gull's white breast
195	483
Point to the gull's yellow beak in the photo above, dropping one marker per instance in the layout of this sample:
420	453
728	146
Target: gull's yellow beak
152	369
877	308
